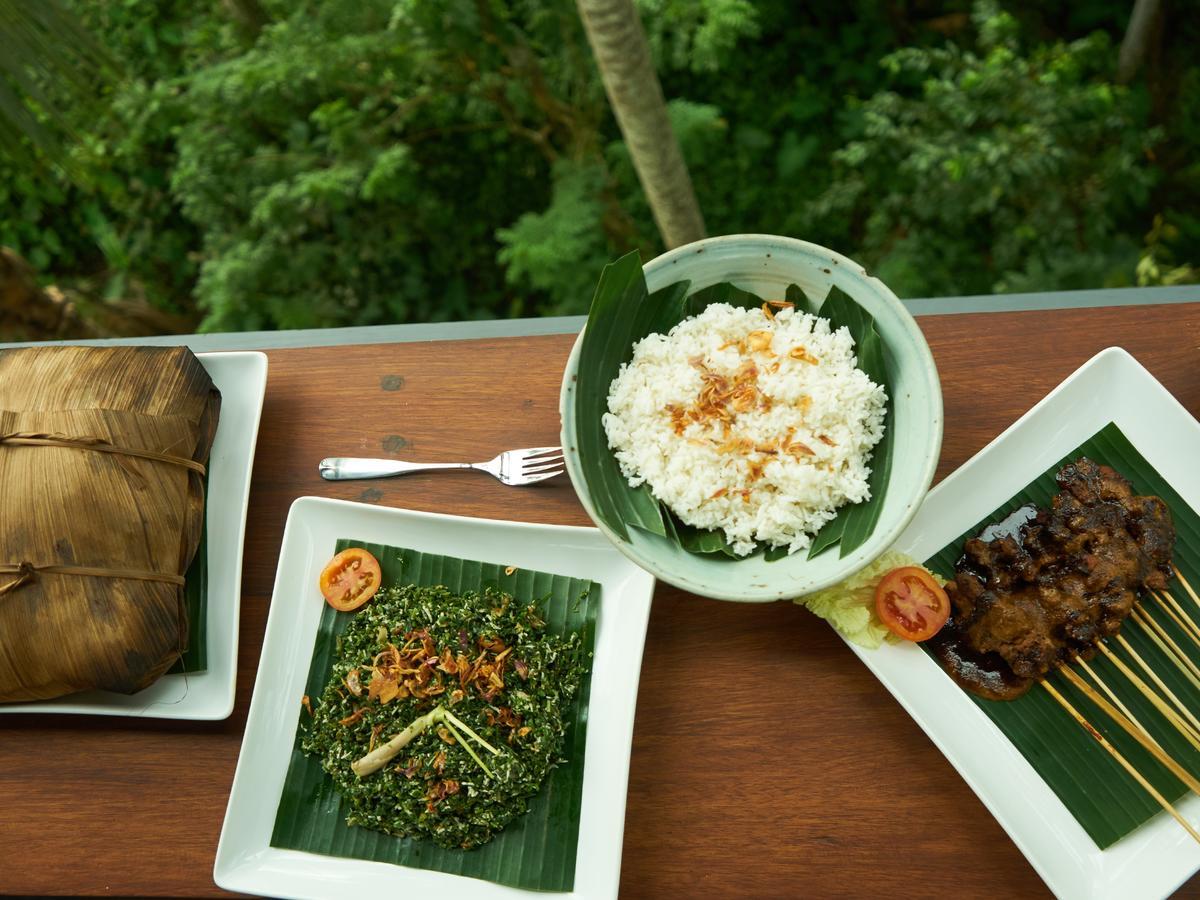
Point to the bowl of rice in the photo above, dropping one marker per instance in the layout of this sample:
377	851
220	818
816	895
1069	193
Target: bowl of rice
752	433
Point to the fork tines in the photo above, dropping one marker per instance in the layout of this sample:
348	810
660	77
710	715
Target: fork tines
542	461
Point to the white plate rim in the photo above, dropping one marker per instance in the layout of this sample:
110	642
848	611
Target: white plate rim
246	862
241	377
1156	858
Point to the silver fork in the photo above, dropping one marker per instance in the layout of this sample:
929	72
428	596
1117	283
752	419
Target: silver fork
514	467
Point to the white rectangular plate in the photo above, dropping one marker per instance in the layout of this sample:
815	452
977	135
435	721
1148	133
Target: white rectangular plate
247	862
242	380
1111	387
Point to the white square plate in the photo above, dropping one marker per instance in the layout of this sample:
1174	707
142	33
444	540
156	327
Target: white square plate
247	862
242	380
1111	387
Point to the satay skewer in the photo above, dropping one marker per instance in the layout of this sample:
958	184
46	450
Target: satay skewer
1175	611
1115	714
1161	705
1125	764
1167	645
1166	691
1187	587
1108	692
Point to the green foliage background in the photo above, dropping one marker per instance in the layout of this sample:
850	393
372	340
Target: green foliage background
377	161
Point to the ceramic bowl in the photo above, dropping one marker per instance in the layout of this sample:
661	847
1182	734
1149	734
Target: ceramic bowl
766	265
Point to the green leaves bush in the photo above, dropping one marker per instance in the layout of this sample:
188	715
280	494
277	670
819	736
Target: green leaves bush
372	161
997	170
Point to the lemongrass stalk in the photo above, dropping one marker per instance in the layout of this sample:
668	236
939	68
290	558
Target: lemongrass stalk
455	720
475	756
382	755
385	753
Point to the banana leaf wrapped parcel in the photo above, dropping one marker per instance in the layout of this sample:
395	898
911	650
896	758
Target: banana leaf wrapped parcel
102	462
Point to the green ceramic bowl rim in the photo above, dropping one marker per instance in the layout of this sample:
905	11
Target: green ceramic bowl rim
658	275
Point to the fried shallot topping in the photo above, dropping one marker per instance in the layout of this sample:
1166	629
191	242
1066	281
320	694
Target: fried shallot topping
797	449
778	304
721	397
725	396
804	356
418	669
760	341
439	791
506	718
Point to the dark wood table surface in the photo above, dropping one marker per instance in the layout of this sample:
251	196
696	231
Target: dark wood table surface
767	761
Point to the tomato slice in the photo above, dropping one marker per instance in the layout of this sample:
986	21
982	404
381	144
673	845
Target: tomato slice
350	579
911	603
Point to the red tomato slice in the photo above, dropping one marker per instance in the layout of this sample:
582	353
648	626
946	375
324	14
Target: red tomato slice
350	579
911	603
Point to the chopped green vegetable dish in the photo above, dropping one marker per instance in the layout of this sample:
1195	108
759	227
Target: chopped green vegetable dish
488	689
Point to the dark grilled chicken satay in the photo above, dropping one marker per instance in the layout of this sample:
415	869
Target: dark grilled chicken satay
1024	603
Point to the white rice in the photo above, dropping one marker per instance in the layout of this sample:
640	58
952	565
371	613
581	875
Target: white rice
822	444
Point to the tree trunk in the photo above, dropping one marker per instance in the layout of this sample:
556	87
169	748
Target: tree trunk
1137	39
26	311
623	57
32	313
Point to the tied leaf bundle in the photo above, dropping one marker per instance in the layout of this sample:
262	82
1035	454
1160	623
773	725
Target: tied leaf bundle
623	312
102	454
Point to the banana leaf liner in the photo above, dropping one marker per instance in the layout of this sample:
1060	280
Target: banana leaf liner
536	851
623	312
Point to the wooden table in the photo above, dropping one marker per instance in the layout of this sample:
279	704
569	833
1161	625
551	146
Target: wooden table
767	761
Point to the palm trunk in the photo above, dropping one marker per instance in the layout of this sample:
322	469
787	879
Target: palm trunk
1137	39
623	57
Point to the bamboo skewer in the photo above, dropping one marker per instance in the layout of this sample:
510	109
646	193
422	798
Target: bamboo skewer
1115	714
1167	692
1187	587
1190	628
1125	764
1161	705
1174	711
1159	635
1114	698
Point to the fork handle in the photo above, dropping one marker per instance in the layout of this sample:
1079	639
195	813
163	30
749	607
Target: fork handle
344	468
